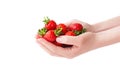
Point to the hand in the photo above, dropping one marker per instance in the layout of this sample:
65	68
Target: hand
97	35
85	25
81	43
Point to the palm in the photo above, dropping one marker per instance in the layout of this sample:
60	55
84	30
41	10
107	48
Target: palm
81	43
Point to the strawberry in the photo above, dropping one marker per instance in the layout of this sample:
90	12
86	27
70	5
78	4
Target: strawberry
49	24
70	33
66	46
63	27
68	29
57	44
51	31
76	27
50	36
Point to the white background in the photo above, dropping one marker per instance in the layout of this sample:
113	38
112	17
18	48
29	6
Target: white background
22	59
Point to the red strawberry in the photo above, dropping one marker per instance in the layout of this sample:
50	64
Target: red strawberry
50	36
63	27
66	46
68	29
70	33
76	27
49	24
57	44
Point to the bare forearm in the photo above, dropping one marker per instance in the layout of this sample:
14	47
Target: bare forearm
108	37
108	24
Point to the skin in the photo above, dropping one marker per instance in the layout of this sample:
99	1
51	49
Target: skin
98	35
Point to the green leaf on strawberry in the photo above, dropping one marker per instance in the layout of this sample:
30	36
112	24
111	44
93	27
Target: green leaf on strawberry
58	31
42	31
46	20
83	30
80	32
77	32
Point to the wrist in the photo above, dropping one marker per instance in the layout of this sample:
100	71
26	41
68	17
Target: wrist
105	25
107	37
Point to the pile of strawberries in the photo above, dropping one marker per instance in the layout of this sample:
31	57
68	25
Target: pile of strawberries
51	31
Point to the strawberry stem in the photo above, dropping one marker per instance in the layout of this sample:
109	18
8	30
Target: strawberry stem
58	31
80	32
77	32
84	30
42	31
46	20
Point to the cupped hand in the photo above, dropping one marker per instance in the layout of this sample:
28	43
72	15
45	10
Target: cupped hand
89	27
97	35
81	43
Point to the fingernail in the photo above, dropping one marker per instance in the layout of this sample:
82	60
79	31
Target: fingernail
61	39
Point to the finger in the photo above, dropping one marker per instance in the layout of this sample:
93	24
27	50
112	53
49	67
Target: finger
85	25
72	21
70	40
51	47
46	49
65	52
74	40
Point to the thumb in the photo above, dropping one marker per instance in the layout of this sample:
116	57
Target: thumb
70	40
75	40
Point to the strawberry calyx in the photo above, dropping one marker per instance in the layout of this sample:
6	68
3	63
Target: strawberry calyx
58	31
42	31
84	30
46	20
80	32
77	32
